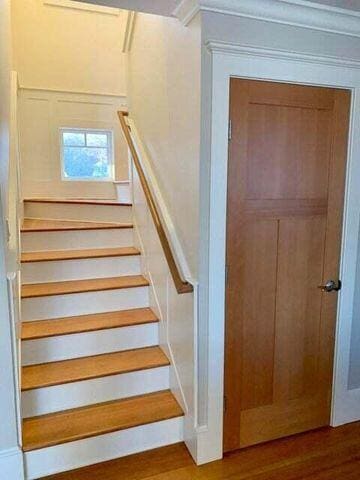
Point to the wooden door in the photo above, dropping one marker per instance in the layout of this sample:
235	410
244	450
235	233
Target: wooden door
285	199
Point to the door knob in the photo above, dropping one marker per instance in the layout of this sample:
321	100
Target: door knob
331	286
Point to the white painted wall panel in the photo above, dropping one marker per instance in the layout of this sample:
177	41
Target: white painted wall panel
42	114
176	312
164	68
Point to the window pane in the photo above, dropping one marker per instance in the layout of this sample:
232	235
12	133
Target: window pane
73	138
96	139
86	162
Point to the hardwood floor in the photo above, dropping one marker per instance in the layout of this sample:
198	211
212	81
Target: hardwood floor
325	454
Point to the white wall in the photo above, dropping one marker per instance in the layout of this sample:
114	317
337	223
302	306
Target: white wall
10	455
71	71
176	312
68	49
42	113
164	101
164	98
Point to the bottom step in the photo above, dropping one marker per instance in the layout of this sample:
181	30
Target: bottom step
74	438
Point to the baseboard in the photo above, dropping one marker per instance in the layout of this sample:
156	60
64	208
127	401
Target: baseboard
12	464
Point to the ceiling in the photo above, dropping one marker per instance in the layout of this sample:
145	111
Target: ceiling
161	7
166	7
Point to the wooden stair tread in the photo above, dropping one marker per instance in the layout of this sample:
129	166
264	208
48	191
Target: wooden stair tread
77	201
96	366
51	225
53	255
86	323
76	424
32	290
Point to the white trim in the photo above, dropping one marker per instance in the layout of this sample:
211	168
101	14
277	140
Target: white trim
345	402
109	148
11	464
289	12
72	92
250	50
129	31
249	62
78	5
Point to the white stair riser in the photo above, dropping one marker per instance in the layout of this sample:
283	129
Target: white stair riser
57	271
77	239
41	308
88	344
48	461
83	213
73	395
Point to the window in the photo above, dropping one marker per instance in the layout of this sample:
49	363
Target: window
86	154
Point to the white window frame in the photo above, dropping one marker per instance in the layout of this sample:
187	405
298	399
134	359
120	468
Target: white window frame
110	136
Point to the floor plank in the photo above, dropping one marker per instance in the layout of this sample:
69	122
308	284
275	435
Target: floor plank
326	454
96	366
49	225
79	423
57	255
32	290
86	323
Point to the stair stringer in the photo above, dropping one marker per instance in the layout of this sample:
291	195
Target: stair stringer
171	308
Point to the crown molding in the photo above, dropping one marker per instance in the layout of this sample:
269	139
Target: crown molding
249	50
300	13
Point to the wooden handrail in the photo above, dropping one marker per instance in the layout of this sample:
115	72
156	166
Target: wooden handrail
181	285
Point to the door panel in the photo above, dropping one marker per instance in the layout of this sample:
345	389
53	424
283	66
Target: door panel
285	195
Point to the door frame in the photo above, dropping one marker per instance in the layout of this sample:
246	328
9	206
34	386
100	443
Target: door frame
227	60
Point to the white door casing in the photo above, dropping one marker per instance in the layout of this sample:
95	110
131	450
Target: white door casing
231	60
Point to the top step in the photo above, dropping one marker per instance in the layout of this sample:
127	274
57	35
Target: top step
76	201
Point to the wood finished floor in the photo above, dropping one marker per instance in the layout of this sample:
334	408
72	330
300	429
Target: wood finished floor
326	454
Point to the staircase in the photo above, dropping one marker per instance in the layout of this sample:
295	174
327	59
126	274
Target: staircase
95	383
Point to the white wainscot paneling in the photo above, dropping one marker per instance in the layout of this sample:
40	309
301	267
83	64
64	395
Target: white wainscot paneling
176	312
42	113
